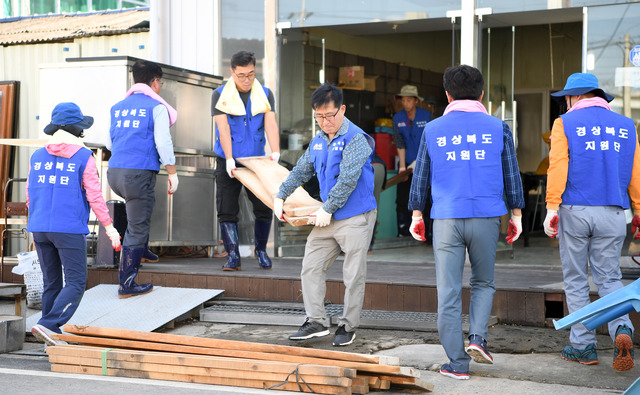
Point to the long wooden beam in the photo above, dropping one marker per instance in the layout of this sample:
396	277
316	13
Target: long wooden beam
196	371
199	361
247	383
229	344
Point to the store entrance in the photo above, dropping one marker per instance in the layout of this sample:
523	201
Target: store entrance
522	58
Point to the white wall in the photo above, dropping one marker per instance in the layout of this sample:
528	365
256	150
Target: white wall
182	33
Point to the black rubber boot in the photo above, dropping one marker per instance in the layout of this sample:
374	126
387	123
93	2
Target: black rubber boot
262	236
404	223
127	272
230	239
148	256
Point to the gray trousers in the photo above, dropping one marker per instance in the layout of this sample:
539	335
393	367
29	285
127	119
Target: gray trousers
452	238
137	187
352	236
591	236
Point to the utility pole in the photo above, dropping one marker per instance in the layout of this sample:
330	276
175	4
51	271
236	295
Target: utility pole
626	89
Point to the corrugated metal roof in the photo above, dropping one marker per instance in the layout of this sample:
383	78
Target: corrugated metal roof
65	27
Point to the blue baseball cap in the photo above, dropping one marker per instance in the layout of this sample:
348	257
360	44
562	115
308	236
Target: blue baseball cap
69	117
581	83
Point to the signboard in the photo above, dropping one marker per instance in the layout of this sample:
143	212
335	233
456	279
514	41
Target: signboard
634	56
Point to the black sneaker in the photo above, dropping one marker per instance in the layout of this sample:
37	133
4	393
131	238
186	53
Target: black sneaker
343	338
308	330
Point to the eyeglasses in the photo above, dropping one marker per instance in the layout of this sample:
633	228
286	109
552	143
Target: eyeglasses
160	81
244	77
319	118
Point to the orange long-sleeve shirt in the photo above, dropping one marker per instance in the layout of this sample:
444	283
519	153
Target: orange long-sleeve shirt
559	169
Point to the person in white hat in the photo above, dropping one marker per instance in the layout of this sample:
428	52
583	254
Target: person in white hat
408	125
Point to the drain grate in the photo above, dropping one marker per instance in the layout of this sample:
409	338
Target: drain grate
293	314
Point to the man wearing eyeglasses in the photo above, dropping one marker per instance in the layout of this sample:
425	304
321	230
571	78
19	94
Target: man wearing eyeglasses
243	113
140	140
340	157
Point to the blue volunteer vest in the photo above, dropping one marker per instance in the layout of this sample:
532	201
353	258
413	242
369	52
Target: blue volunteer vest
247	132
133	144
413	134
465	149
601	149
57	201
327	166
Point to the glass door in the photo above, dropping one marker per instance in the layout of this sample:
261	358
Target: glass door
498	70
497	66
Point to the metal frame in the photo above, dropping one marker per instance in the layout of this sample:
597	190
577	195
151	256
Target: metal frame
15	209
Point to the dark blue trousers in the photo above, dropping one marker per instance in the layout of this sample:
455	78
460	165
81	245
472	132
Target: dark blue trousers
58	252
137	187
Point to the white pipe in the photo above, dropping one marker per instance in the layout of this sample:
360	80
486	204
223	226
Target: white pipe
154	22
585	29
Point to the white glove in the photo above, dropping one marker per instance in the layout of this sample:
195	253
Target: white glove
417	228
515	228
275	156
321	217
551	223
401	169
114	236
277	209
412	165
231	166
173	183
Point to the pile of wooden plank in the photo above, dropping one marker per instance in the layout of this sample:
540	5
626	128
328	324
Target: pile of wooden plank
126	353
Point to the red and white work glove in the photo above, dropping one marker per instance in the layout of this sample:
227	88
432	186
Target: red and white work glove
275	156
114	236
551	223
417	229
173	183
515	228
412	166
635	226
231	166
278	210
320	218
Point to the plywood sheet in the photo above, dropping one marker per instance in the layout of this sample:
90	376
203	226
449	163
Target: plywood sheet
100	306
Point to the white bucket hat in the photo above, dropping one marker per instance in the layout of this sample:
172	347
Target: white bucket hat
410	91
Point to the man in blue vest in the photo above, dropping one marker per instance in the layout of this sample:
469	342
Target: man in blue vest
140	141
244	113
340	157
468	159
408	125
594	166
63	183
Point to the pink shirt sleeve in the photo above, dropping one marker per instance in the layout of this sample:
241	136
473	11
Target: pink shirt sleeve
91	183
26	188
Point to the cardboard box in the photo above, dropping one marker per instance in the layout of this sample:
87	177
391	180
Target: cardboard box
370	84
351	77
